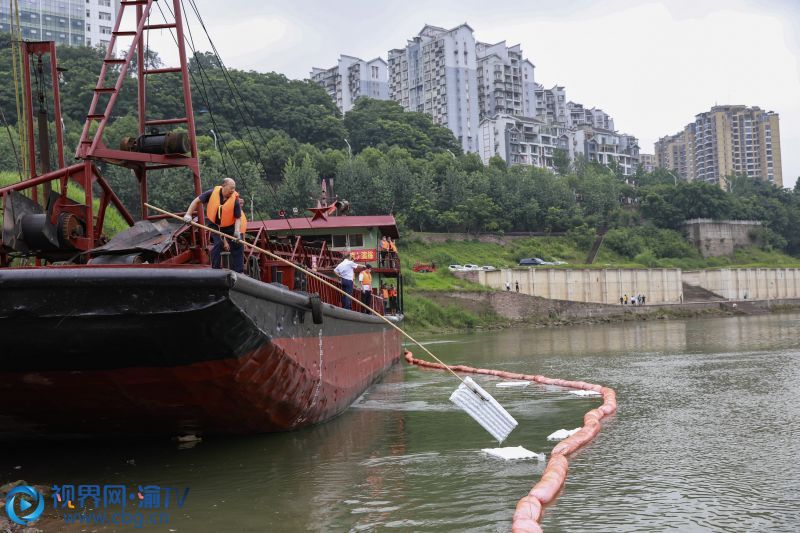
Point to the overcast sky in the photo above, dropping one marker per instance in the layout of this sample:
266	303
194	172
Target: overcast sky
652	65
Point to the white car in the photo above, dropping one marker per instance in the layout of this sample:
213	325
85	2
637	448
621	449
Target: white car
470	266
456	268
488	268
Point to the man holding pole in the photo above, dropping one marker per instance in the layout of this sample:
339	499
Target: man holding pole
223	213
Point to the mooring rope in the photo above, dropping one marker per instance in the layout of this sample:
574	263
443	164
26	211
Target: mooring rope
528	512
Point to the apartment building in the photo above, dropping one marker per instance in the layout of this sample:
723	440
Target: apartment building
505	81
647	162
72	22
436	74
352	78
606	147
727	140
551	104
578	115
676	153
519	141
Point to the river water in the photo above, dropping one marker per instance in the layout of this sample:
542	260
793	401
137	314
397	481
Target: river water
706	439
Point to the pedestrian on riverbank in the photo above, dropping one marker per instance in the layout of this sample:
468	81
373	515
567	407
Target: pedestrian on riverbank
508	286
621	300
516	285
626	299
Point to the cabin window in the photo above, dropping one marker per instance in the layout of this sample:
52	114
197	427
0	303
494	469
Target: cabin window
340	241
356	240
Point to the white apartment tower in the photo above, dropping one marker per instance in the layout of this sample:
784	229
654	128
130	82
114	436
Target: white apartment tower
551	104
353	78
436	74
505	81
73	22
579	116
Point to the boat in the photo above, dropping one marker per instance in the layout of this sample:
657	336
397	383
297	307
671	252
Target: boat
137	334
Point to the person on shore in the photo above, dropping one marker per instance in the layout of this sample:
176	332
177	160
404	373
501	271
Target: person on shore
516	285
346	271
626	299
643	299
365	279
508	286
224	214
620	300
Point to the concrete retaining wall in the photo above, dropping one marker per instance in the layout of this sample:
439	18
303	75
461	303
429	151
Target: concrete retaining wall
716	238
748	283
587	285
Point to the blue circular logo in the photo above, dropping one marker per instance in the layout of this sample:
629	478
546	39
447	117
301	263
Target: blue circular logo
31	504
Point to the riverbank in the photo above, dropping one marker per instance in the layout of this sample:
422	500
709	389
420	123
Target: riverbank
453	311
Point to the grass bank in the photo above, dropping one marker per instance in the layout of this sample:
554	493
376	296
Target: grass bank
424	315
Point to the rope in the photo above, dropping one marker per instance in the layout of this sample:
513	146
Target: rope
313	275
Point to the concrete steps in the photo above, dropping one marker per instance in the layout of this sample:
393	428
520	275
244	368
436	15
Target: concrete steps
694	293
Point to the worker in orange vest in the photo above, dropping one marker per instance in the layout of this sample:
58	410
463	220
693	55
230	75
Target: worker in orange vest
384	250
365	278
393	298
392	253
385	296
223	213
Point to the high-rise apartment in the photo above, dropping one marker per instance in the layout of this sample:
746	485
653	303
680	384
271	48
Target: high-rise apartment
551	104
353	78
73	22
676	153
519	141
727	140
436	74
505	81
578	115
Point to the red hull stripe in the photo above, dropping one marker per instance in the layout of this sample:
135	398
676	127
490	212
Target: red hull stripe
276	387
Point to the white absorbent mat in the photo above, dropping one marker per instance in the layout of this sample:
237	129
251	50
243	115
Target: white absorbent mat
480	405
584	392
513	452
509	384
562	434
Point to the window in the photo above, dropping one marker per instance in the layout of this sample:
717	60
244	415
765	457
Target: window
339	241
103	3
88	14
105	30
356	240
104	16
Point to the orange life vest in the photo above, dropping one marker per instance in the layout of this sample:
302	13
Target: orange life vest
384	245
393	247
243	223
367	280
221	214
385	293
393	292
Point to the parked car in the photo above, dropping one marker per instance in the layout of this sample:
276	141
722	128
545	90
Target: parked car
531	261
488	268
470	266
455	268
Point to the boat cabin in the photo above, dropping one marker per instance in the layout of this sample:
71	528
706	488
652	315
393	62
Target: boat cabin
333	238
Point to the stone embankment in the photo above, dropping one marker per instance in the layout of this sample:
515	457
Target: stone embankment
520	307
